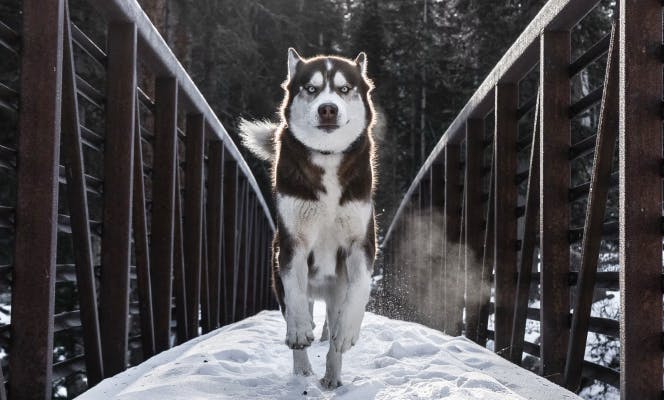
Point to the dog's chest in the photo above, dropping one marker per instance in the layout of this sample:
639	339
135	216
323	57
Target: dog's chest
325	219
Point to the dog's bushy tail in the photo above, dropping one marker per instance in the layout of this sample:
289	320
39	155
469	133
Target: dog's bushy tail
258	137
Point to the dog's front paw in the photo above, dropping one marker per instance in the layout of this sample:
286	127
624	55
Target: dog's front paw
330	383
299	336
347	332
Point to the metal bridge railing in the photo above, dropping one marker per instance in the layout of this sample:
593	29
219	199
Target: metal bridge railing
491	207
133	201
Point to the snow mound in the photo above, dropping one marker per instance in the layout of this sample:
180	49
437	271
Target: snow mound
393	360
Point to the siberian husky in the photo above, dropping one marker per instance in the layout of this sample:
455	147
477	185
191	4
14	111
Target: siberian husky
322	155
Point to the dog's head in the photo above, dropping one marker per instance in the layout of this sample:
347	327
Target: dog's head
327	105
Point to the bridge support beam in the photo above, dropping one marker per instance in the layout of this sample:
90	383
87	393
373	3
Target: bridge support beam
33	293
473	240
452	232
553	201
640	144
505	240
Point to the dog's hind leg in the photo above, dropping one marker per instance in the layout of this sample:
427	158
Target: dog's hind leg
326	332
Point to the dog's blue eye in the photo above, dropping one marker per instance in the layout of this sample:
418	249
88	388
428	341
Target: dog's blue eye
344	89
310	88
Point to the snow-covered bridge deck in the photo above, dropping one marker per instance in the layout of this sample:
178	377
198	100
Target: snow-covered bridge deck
393	360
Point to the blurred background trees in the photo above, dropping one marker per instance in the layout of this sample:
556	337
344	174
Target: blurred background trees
432	50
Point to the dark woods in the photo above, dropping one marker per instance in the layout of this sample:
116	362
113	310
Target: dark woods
426	58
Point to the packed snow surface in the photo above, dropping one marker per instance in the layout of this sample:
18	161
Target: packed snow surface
393	360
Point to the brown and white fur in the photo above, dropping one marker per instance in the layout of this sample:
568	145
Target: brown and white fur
322	176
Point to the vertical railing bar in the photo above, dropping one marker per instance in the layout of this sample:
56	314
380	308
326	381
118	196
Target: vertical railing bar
118	181
505	222
487	263
33	291
163	207
607	132
215	208
193	217
245	262
452	228
141	246
229	234
205	280
237	243
527	244
472	222
179	267
261	262
554	202
640	200
438	208
255	255
72	155
460	270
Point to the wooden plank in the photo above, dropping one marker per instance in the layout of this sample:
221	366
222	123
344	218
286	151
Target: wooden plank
230	235
179	273
504	216
118	179
554	206
452	231
215	207
607	132
193	217
528	243
163	207
640	210
33	291
72	156
472	222
141	246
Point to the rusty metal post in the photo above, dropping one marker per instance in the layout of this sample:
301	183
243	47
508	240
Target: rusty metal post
163	207
215	207
504	216
118	179
472	223
230	235
554	203
640	209
438	223
179	273
193	218
33	293
452	208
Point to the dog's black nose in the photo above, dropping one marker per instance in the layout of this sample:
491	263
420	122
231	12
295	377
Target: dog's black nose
328	112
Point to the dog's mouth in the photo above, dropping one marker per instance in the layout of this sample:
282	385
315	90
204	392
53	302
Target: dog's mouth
330	127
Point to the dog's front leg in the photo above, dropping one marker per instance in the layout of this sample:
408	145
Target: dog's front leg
299	333
345	312
346	330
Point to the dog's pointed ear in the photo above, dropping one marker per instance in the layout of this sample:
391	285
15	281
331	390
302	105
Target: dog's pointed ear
293	60
361	61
